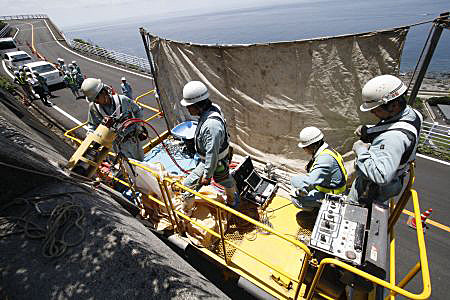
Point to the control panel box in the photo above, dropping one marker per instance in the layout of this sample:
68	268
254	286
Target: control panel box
340	230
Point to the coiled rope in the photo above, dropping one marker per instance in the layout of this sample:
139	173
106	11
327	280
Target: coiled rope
63	218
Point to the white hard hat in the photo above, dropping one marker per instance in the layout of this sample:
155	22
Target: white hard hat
380	90
29	74
60	59
123	78
309	135
193	92
16	72
70	66
91	87
74	62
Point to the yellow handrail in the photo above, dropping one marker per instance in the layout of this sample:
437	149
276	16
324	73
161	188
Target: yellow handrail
426	293
220	235
68	133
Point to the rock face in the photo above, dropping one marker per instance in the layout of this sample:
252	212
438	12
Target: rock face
118	257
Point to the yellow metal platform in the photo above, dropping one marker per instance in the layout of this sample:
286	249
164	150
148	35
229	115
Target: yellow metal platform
280	214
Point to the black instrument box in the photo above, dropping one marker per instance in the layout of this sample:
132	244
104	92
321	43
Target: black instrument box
252	186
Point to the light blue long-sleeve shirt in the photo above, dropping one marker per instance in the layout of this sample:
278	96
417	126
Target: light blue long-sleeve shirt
210	138
380	162
326	172
131	148
127	90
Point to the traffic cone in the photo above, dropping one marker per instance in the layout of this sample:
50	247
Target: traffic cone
412	220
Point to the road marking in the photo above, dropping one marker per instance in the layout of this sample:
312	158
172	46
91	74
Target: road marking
87	58
14	37
429	221
433	159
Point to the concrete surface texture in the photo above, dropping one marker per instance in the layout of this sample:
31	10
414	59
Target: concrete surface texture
118	258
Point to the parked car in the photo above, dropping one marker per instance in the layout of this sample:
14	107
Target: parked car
14	60
46	70
7	45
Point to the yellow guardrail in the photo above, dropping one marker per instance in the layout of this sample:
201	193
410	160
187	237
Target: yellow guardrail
174	216
70	133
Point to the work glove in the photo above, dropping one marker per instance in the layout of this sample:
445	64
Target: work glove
361	131
359	146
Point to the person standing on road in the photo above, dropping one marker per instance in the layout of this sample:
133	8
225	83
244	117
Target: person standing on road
74	63
24	85
43	81
38	88
71	82
78	76
326	171
104	103
62	66
126	88
384	150
212	143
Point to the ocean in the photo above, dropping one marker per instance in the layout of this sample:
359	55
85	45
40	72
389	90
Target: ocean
302	20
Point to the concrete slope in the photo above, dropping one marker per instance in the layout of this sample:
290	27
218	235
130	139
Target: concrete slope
117	259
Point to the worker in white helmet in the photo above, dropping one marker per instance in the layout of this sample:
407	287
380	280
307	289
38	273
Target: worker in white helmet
74	63
103	103
325	171
126	88
62	66
384	150
212	143
76	72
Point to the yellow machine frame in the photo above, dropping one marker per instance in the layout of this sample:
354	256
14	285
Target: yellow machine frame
300	286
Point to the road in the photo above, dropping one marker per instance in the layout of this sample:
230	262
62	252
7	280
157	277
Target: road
432	177
38	32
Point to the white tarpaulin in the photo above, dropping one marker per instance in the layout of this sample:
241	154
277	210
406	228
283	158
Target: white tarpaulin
269	92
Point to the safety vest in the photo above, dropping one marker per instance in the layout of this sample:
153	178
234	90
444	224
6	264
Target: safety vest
410	128
21	80
213	113
342	185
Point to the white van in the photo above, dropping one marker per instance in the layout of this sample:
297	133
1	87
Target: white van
7	45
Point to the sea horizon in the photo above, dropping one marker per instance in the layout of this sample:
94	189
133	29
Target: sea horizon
300	21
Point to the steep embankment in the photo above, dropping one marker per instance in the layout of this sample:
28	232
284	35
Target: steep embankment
117	258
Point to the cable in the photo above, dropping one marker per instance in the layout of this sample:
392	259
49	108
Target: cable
61	219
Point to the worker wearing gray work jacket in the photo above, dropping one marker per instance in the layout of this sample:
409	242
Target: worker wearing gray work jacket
62	66
326	171
103	103
384	151
211	143
126	88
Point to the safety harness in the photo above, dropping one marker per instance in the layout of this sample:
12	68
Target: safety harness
117	108
212	113
342	185
411	128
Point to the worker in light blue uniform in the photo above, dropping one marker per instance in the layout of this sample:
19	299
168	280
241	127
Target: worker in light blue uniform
126	88
62	66
211	143
326	171
385	150
103	103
